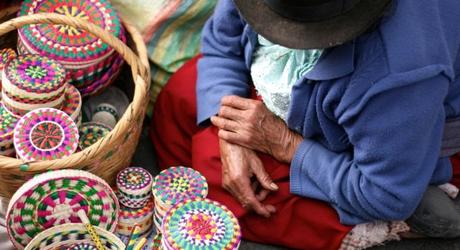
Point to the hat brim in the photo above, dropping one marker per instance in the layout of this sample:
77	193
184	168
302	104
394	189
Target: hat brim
311	35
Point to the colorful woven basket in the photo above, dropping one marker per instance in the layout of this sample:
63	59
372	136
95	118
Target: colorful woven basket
45	134
114	152
134	187
84	55
129	217
91	132
5	56
30	82
72	103
54	198
7	124
200	224
73	236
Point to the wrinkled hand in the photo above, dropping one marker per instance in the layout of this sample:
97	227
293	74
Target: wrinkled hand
249	123
239	164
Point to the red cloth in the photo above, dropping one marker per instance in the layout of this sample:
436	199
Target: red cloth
299	222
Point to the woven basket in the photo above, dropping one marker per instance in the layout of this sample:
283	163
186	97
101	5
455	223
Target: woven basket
110	154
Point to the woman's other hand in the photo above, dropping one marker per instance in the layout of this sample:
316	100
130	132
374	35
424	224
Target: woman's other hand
249	123
239	164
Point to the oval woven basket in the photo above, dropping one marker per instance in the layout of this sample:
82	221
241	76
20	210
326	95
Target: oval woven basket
110	154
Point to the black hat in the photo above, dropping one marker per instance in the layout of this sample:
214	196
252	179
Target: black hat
308	24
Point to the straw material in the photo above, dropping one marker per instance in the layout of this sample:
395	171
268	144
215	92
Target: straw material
110	154
68	235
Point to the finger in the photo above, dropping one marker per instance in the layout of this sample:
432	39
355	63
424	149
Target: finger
262	195
262	176
237	102
247	197
233	137
271	208
231	113
224	123
253	204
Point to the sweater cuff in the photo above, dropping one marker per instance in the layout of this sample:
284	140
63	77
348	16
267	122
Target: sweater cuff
296	166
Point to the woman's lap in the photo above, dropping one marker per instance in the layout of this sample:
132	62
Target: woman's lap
298	223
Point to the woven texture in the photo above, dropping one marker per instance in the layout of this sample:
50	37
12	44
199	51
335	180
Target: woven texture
134	186
65	236
86	57
92	132
72	102
54	198
129	217
110	154
200	224
45	134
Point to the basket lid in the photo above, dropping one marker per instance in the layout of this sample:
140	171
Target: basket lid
71	235
7	123
65	43
45	134
200	224
178	183
91	132
54	198
33	74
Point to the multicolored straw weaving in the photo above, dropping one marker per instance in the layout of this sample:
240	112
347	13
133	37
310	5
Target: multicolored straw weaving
200	224
30	82
72	102
129	217
177	183
91	132
5	56
45	134
7	124
66	236
54	198
134	186
65	43
82	246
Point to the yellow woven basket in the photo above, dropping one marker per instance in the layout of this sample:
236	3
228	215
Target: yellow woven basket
114	151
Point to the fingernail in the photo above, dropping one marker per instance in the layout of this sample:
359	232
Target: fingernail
274	186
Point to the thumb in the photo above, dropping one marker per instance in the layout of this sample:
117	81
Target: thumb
262	176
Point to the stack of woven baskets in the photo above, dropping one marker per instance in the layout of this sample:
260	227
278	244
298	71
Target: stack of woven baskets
65	47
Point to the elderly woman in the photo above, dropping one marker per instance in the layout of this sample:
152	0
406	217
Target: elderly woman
320	115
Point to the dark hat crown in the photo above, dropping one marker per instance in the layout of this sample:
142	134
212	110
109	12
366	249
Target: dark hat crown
311	10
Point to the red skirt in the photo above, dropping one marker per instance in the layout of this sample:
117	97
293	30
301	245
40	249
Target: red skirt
299	222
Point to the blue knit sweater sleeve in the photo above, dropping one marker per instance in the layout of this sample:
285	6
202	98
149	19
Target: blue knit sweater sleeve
395	130
222	70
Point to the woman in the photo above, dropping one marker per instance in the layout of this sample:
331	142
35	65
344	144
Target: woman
344	127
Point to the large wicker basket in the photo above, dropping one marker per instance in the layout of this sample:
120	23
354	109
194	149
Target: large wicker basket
114	152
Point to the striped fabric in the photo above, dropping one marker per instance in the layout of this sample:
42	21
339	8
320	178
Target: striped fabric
171	30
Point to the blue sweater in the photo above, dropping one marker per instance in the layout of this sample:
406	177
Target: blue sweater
371	112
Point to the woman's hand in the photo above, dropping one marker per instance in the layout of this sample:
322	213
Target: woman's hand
249	123
239	164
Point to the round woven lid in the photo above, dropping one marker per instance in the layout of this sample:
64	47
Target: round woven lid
34	74
45	134
135	183
7	124
177	183
65	43
201	224
54	198
65	236
91	132
72	102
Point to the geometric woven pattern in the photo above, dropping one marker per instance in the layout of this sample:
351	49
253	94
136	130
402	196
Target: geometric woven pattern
73	236
45	134
134	186
200	224
72	102
54	198
91	132
177	183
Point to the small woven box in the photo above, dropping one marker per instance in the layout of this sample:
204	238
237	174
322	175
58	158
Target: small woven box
30	82
130	217
134	187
